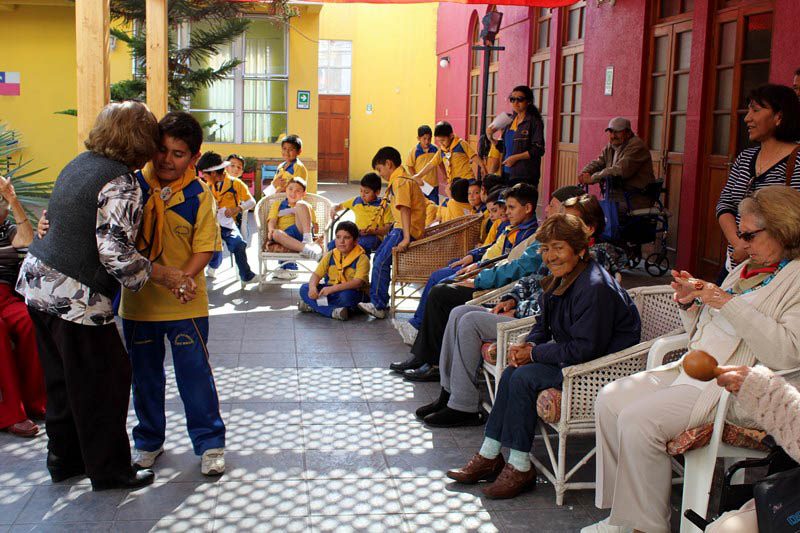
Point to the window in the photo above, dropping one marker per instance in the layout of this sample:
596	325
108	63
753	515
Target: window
571	86
491	95
250	104
474	83
576	23
335	62
540	60
672	8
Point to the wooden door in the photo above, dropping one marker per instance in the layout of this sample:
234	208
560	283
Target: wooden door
670	59
568	119
334	138
741	57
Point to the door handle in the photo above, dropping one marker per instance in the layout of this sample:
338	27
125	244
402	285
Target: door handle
346	142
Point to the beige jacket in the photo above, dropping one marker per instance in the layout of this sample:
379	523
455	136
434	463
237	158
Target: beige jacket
633	165
768	328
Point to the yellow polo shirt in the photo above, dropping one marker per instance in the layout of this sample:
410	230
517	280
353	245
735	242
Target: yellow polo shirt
358	269
287	220
418	157
456	159
230	192
368	216
190	227
286	171
403	191
454	209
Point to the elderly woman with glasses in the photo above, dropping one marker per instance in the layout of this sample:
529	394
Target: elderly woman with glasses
523	139
754	317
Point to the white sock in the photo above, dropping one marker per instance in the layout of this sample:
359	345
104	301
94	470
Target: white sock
307	238
490	448
519	460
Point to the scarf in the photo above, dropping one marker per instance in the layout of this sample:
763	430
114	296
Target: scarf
755	275
219	189
148	242
341	263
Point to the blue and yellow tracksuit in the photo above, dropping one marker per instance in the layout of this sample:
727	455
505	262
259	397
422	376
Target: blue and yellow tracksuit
369	216
418	158
231	193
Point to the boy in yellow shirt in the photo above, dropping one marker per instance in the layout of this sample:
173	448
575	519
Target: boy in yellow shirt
407	203
179	229
456	154
340	281
458	204
290	223
373	218
423	152
292	167
233	199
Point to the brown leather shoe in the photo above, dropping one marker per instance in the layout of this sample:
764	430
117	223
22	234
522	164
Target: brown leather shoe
510	482
479	468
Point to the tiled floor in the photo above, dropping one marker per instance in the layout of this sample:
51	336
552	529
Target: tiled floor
320	437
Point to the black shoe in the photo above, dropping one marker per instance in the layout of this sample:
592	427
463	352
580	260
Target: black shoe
431	408
426	372
408	364
61	469
451	418
128	480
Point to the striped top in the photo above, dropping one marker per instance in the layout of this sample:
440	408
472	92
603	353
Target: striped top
742	182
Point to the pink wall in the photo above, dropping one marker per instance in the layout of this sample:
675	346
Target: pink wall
783	65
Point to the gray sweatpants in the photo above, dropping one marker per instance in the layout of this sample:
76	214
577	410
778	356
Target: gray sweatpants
460	359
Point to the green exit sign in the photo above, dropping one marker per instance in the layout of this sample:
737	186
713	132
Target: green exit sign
303	99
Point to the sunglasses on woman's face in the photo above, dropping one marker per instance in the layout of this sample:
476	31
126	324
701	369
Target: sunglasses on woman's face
748	236
516	99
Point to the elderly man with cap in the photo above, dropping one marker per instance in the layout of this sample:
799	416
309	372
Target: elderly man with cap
627	159
233	198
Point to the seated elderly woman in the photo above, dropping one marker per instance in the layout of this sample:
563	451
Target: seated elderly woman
22	392
753	317
585	315
469	326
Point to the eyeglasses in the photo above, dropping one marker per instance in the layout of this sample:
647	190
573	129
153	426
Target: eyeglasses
515	99
748	236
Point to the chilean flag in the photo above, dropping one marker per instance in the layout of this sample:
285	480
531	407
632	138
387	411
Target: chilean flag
9	84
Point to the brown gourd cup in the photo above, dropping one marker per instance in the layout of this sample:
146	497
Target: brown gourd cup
701	365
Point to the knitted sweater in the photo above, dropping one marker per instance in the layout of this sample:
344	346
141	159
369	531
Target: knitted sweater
774	404
768	331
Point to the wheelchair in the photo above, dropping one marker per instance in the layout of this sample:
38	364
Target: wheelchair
636	227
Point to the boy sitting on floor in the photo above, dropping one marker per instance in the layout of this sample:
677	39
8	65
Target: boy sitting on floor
373	219
340	281
290	225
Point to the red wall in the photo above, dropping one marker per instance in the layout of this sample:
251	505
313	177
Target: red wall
784	62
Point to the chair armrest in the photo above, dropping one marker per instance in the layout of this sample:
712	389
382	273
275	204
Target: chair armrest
493	296
665	347
508	333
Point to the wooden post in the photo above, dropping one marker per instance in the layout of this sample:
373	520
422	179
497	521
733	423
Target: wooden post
157	49
94	75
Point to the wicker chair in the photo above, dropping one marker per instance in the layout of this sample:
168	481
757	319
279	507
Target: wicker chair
322	210
571	410
439	244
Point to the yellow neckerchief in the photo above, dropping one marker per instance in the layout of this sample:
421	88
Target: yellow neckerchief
219	189
341	263
376	218
449	150
514	123
148	241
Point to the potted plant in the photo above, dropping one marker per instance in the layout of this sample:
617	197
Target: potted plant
32	195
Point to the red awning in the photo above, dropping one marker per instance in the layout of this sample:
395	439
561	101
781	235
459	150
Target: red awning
530	3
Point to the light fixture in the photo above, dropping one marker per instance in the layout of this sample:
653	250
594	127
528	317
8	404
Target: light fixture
609	2
491	26
444	62
112	43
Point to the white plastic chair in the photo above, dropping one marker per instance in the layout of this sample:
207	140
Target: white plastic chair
322	210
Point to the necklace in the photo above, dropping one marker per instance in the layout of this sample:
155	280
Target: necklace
764	283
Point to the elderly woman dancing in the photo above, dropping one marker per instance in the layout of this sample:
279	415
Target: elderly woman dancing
753	317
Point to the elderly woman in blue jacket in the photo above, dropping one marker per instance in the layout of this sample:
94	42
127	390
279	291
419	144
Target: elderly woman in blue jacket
585	315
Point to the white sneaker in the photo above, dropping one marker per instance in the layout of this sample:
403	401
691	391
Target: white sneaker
285	274
311	251
213	462
408	333
340	313
370	309
604	527
211	273
143	459
303	307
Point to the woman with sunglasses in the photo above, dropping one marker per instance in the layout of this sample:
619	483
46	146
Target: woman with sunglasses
523	139
752	318
773	122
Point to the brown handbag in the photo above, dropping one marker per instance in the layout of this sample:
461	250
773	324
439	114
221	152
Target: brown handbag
790	165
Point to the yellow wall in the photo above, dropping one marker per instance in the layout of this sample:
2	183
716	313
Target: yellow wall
394	69
39	42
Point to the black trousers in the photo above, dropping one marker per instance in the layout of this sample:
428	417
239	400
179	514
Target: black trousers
442	299
88	377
